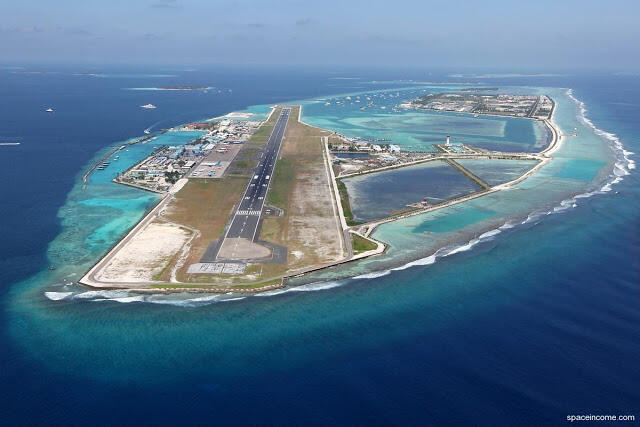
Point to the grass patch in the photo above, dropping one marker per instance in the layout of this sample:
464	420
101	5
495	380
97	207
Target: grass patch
213	287
259	285
346	205
262	134
282	183
361	244
204	205
242	164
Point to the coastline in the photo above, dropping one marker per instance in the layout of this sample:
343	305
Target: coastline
478	312
89	279
612	175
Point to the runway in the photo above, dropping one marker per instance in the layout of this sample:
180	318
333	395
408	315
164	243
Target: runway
247	216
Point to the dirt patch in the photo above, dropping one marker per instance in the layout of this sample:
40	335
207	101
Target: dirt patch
301	187
146	255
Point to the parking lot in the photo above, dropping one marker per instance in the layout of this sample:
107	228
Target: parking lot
216	162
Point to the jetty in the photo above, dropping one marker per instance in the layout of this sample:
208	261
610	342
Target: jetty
103	161
473	177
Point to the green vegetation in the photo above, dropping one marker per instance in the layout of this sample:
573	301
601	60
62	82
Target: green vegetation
259	284
172	177
282	183
198	286
247	159
262	134
361	244
243	164
346	206
205	205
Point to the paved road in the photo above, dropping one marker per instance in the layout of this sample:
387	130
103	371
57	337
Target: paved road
533	108
247	216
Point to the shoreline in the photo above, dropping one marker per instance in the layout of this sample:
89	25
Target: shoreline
89	278
453	246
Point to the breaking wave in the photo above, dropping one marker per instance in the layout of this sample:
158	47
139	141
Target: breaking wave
623	163
622	167
316	286
125	297
57	296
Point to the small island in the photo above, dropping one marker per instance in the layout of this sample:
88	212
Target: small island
248	205
533	106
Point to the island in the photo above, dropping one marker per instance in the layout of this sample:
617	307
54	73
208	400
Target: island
249	204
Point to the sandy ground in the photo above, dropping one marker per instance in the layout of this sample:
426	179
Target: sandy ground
178	185
146	254
349	168
312	224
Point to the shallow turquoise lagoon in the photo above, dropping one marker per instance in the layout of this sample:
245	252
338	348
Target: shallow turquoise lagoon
497	171
375	115
479	335
581	169
123	159
377	195
454	221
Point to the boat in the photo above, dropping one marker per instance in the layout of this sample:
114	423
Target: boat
103	165
148	106
49	110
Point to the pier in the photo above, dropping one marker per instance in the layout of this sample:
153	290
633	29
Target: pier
450	156
473	177
87	174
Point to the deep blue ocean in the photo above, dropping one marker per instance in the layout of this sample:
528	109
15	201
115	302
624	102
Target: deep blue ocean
522	330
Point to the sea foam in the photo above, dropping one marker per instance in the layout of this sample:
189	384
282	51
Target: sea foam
622	167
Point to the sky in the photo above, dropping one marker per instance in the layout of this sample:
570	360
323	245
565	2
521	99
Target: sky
514	34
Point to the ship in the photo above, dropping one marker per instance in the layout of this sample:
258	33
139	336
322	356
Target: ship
49	110
148	106
103	165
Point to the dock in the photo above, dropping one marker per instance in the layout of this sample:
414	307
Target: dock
105	159
473	177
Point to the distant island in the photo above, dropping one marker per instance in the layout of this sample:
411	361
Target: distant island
531	106
184	87
176	88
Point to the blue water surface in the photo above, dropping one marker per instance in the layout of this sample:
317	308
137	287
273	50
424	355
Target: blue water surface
542	322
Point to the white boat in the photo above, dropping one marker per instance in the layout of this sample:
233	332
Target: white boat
49	110
148	106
